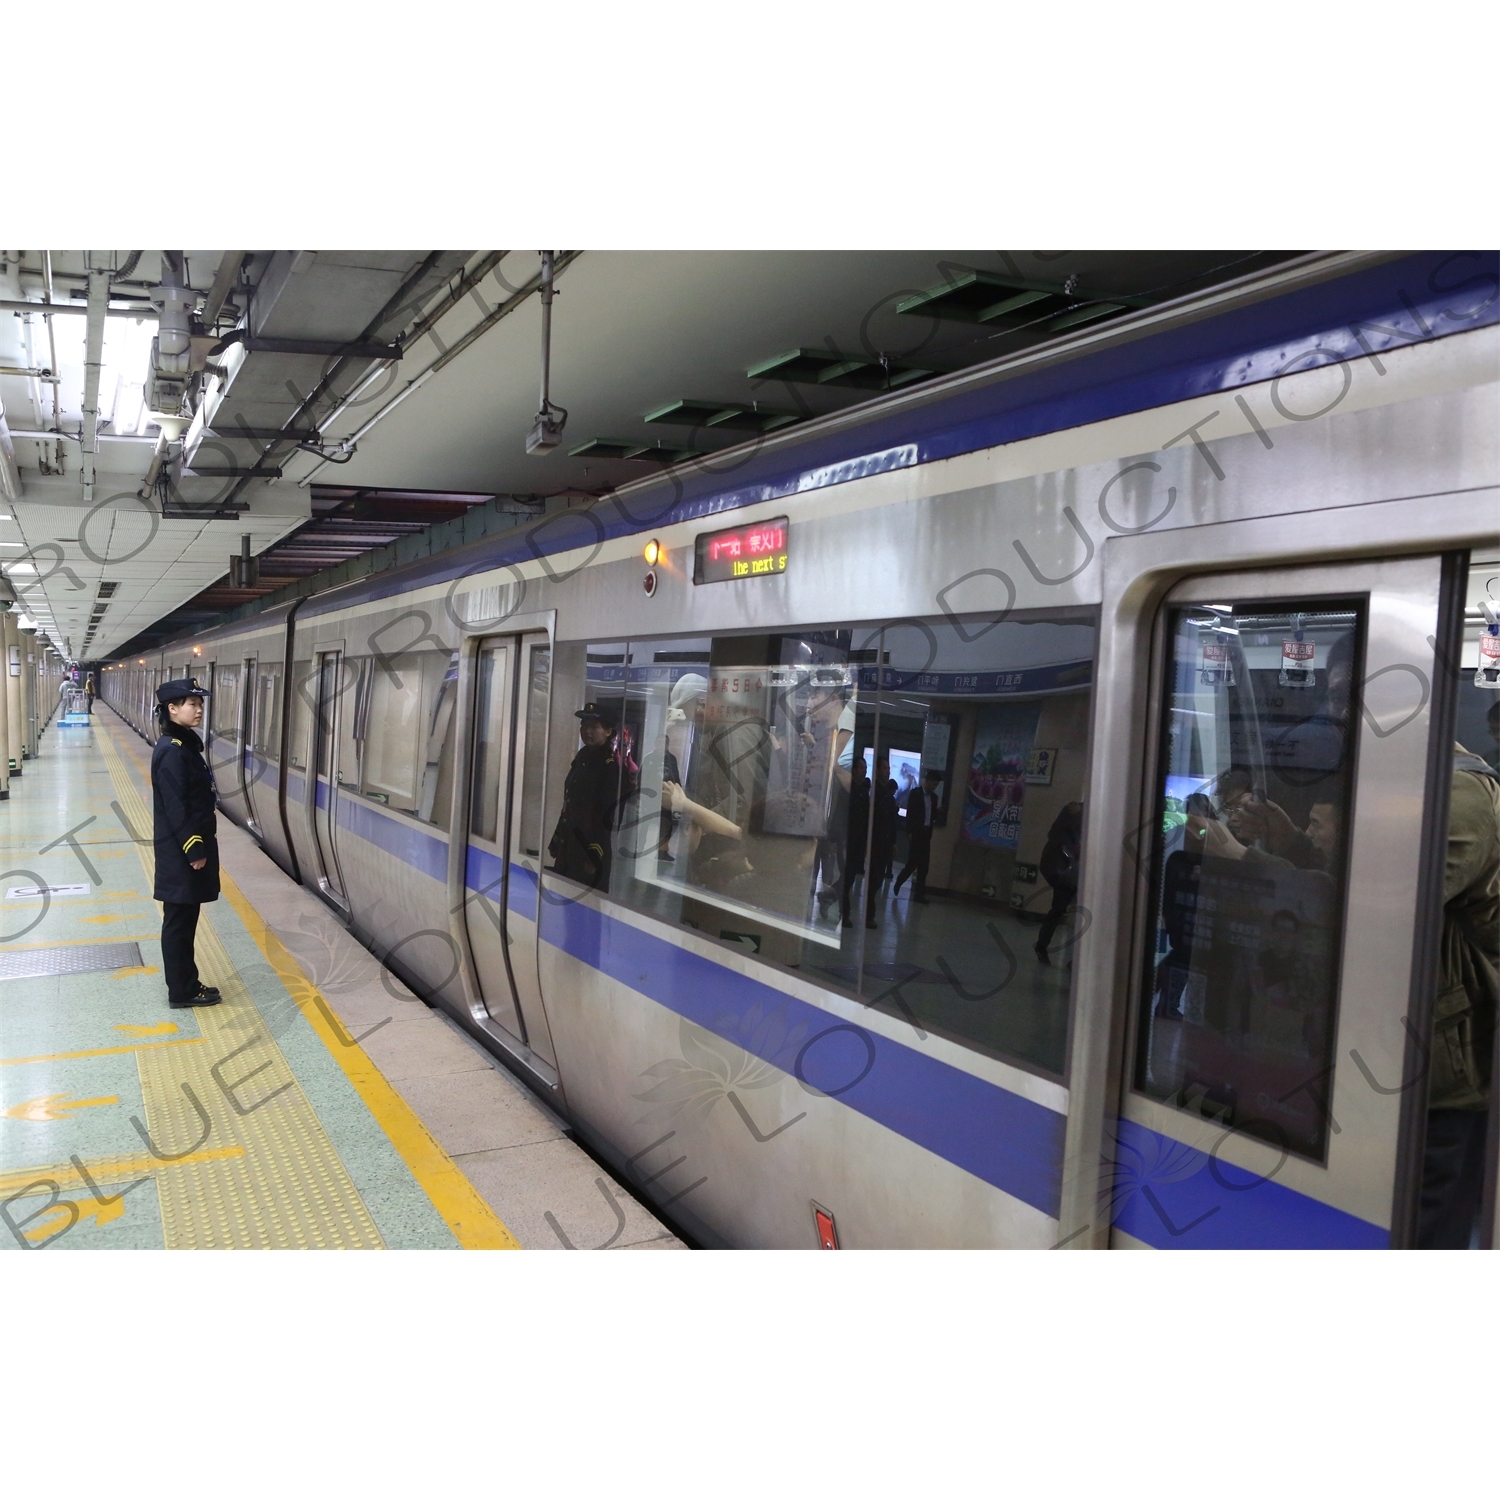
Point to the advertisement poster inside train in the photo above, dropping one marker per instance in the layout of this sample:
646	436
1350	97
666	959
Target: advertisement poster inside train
1004	734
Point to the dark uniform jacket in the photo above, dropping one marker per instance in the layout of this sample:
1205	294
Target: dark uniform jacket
182	793
1468	987
580	844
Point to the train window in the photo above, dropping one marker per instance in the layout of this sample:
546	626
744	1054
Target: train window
396	728
536	685
304	702
489	738
772	789
224	715
596	768
979	766
1250	837
267	716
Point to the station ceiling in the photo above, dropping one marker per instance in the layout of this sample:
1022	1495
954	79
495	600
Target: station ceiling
341	398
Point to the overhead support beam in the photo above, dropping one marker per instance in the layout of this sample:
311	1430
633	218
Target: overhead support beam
93	366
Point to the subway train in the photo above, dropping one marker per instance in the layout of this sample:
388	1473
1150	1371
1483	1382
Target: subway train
1140	655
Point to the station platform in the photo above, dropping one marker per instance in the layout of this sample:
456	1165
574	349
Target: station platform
321	1105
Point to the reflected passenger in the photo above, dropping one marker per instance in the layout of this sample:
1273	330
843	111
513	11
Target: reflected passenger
921	810
1059	867
581	843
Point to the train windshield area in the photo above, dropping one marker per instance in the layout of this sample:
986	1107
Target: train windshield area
1250	845
892	811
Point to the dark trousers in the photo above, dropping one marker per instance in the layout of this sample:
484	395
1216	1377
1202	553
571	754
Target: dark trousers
1063	896
178	928
846	888
1452	1178
918	857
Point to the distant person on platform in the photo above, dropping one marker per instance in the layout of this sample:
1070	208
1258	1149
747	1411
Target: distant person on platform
921	809
88	692
187	851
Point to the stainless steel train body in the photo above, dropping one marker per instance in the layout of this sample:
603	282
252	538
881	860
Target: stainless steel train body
1010	580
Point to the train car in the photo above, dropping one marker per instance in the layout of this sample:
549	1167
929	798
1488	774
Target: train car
1140	656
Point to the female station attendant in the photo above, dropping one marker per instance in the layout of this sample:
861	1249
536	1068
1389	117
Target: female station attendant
187	853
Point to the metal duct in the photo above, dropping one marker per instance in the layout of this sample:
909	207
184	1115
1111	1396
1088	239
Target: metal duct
93	365
171	354
10	475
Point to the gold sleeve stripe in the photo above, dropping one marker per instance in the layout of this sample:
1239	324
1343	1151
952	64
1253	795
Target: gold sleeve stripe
197	838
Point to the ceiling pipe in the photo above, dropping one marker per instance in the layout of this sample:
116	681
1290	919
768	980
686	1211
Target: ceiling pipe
466	284
218	293
565	259
52	351
302	415
93	368
54	435
50	310
171	353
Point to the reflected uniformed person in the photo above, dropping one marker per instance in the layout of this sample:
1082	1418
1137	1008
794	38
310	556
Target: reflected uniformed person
580	845
187	851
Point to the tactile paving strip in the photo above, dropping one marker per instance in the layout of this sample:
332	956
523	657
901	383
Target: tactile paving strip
82	958
288	1189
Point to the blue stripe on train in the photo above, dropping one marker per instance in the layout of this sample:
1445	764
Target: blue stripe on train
1169	1195
1175	1197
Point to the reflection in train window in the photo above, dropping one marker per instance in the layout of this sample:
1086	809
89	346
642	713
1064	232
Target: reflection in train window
773	790
1250	832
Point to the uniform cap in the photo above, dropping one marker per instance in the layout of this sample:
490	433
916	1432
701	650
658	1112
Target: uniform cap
182	687
606	716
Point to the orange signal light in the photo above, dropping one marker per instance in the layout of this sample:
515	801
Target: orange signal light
653	552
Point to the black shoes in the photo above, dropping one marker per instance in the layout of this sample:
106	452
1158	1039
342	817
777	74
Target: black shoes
1041	954
206	995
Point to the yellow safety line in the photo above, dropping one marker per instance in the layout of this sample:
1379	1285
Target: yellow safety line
111	1169
145	937
177	1041
475	1225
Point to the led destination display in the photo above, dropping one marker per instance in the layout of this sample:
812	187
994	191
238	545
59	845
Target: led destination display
742	552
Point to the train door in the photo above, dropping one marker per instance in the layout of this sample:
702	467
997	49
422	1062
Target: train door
526	835
485	872
1272	1070
325	773
251	768
502	862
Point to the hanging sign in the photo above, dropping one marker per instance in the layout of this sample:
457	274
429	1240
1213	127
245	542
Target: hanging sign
1217	669
1487	674
1297	658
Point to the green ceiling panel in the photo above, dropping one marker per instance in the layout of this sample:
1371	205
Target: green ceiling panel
847	372
721	416
1004	302
604	448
